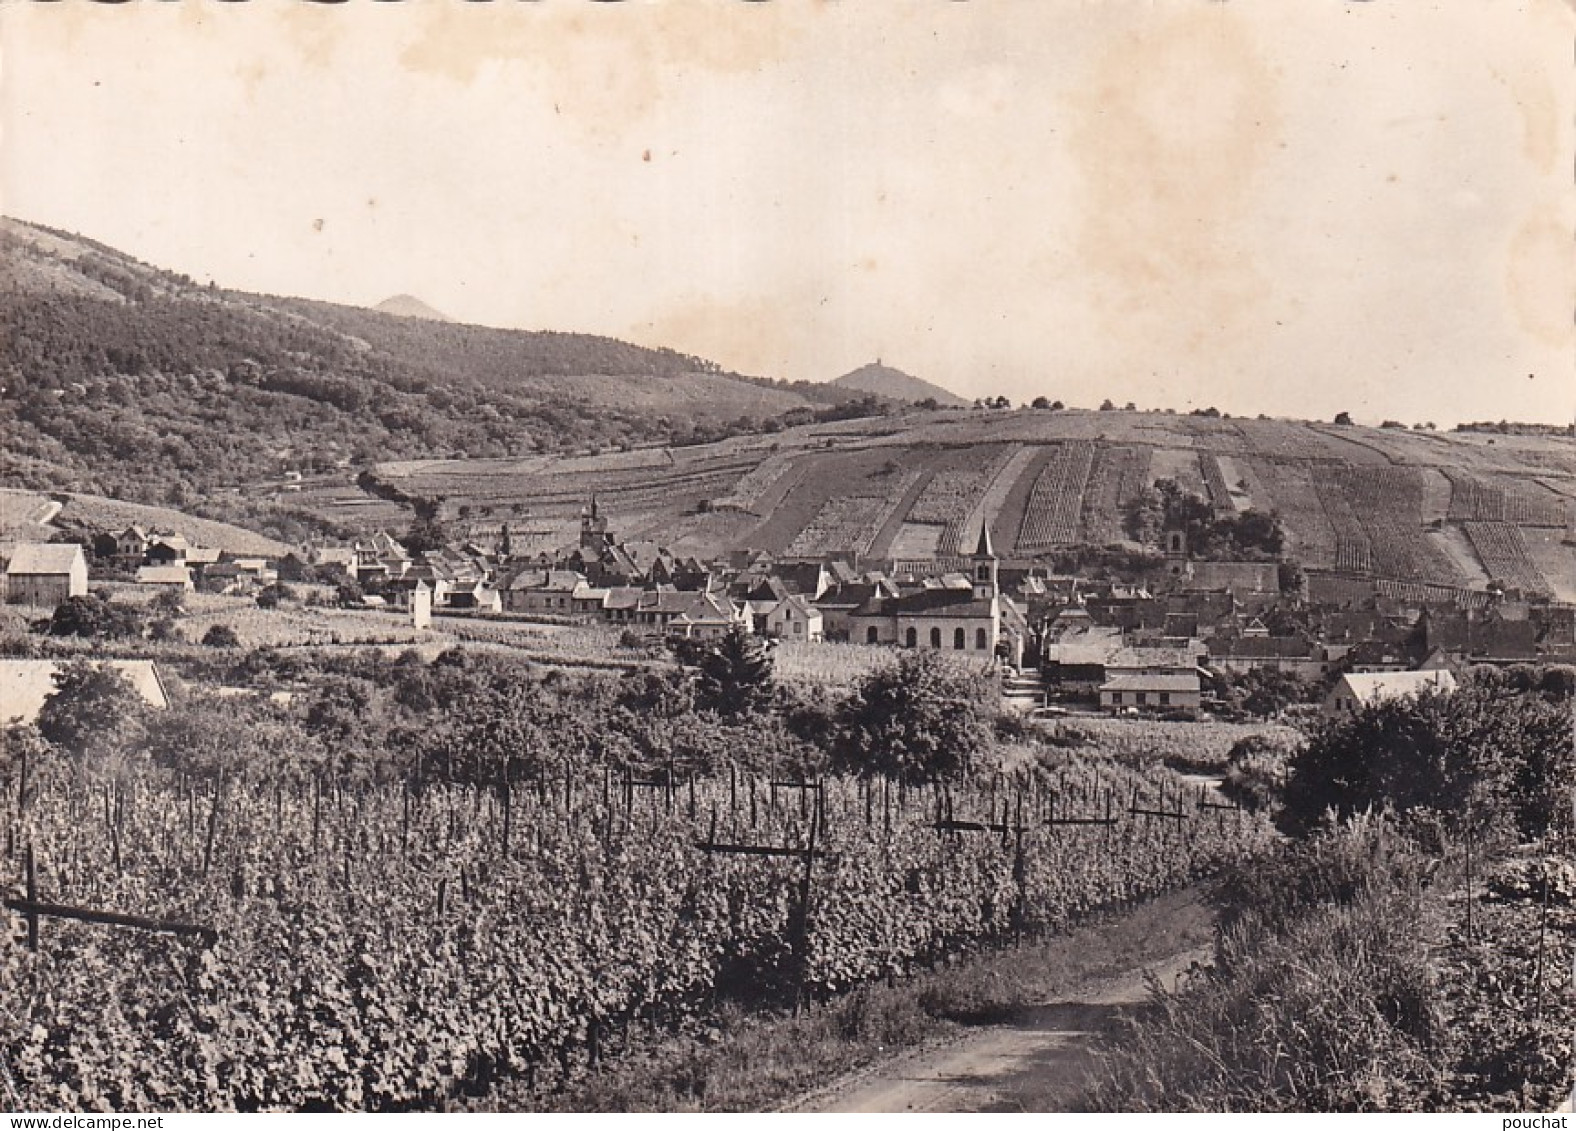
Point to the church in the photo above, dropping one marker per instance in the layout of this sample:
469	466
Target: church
977	620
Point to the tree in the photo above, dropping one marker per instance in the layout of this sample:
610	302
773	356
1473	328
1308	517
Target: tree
734	675
1489	750
221	636
1040	402
918	720
169	602
270	596
94	710
1107	405
94	616
1343	418
1057	406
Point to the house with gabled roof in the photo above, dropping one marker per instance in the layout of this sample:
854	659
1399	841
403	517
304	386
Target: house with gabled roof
549	591
176	577
1145	690
131	544
43	574
1355	691
25	685
709	616
795	618
167	549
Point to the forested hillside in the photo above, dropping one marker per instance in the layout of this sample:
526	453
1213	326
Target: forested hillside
120	378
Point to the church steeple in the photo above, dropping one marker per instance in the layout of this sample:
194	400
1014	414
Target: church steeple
593	528
986	565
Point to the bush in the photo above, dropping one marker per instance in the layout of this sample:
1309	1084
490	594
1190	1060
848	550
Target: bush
95	616
221	636
921	719
1256	771
1489	751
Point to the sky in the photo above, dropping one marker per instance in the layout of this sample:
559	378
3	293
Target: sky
1292	207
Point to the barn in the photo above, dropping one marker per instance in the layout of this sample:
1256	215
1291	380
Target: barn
43	574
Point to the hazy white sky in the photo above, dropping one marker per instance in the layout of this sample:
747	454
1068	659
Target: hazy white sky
1293	207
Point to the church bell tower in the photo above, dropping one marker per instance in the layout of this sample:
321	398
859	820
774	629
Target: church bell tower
987	566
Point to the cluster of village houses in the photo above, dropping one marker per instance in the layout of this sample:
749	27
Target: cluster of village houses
1154	647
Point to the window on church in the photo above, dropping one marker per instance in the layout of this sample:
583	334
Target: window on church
1116	697
911	637
958	636
872	635
981	639
935	638
1143	698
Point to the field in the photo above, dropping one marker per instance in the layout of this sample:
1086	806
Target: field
954	500
1294	488
1217	490
830	666
1350	498
1055	506
1503	551
1555	559
1388	506
1197	746
98	513
1119	475
1474	499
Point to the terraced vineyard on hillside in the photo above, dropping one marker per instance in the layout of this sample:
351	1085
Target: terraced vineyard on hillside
1362	502
1056	502
1504	554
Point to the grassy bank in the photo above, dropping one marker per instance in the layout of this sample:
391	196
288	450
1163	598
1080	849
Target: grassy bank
1348	980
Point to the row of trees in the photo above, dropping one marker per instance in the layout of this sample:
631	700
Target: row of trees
483	717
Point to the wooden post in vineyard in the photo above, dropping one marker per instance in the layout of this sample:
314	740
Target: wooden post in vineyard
213	826
508	813
802	936
1020	873
32	897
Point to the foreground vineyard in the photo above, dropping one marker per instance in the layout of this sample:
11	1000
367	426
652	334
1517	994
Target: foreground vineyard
386	948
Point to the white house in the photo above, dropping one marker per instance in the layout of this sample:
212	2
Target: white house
794	618
1356	690
1150	690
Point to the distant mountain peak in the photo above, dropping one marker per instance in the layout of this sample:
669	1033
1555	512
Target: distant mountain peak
885	381
409	306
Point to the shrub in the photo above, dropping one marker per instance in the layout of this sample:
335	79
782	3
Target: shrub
221	636
1501	756
918	720
1256	771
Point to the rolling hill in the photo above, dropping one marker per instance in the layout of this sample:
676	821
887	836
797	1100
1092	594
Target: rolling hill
123	378
1449	512
409	306
894	384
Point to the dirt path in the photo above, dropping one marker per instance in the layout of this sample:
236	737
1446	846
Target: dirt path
1039	1062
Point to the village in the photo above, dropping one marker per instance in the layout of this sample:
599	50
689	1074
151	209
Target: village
1183	645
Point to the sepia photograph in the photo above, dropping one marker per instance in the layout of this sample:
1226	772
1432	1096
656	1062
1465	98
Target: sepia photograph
800	556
